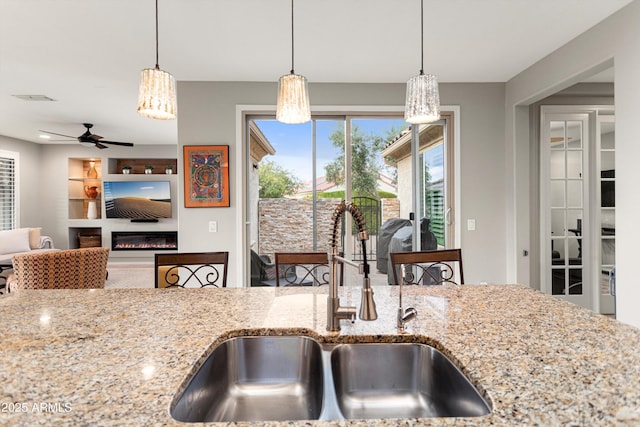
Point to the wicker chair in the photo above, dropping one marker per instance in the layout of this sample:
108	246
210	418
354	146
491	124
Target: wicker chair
68	269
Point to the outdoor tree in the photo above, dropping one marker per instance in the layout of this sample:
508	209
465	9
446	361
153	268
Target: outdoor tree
366	163
275	181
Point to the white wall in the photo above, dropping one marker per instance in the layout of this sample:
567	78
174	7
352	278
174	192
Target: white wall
208	116
615	42
28	180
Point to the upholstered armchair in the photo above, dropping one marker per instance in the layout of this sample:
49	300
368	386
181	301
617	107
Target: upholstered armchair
84	268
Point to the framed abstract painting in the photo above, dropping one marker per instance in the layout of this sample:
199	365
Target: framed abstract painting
206	176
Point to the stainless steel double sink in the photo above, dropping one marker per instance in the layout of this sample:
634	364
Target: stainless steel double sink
278	378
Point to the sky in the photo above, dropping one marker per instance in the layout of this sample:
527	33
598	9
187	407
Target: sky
293	142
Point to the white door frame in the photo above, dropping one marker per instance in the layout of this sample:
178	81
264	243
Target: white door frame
242	160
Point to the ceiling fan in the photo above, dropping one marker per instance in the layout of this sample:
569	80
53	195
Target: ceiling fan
90	138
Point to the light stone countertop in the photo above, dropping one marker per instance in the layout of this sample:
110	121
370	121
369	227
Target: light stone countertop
118	356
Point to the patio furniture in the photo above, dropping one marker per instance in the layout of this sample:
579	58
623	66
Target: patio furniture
263	271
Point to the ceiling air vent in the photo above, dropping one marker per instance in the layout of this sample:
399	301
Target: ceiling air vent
34	97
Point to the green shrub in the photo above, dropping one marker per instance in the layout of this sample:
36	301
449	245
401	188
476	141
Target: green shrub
339	194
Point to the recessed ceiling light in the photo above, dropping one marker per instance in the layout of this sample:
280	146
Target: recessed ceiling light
34	97
43	136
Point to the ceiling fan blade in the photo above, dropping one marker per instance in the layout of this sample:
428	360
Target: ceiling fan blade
126	144
59	134
91	138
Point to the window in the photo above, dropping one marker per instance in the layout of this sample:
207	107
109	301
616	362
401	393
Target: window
8	190
304	174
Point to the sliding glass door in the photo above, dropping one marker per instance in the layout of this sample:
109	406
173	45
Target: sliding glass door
434	187
299	173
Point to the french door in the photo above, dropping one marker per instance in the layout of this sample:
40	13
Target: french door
605	212
577	224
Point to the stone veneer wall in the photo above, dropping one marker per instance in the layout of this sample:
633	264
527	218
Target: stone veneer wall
390	209
286	225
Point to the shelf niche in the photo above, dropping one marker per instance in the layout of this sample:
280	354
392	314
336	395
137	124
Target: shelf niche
78	180
138	166
85	237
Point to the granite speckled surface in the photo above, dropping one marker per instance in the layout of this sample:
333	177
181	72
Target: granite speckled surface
117	357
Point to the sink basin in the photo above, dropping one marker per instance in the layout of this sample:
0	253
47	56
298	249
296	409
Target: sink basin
383	380
273	378
282	378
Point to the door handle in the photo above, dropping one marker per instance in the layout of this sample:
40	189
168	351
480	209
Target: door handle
612	282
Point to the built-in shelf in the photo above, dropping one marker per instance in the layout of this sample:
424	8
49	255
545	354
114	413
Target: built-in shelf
85	232
79	183
84	237
138	166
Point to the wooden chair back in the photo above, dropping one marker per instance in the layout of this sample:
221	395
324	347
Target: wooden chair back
191	270
427	267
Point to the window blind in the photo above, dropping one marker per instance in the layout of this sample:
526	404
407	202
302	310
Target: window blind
7	193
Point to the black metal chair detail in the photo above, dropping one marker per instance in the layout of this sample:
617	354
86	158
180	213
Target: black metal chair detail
202	269
427	267
302	268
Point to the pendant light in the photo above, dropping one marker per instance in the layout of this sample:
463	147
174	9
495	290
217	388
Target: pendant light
293	93
423	100
157	95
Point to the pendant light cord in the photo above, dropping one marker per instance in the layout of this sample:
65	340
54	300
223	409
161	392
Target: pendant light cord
157	66
421	37
292	72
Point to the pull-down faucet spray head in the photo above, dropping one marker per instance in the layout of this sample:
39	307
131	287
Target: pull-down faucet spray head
367	305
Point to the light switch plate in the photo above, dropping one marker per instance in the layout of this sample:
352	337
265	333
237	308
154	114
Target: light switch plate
471	225
213	226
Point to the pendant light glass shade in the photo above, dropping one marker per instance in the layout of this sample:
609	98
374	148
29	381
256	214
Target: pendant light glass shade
157	96
423	99
293	99
292	106
422	104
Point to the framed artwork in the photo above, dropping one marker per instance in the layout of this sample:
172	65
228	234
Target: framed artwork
206	176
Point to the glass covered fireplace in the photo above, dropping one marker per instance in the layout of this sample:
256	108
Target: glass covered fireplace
144	240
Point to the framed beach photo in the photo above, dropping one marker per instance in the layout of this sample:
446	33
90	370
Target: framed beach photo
206	176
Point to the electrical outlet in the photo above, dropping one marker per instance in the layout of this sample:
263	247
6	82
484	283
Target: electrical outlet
471	225
213	226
